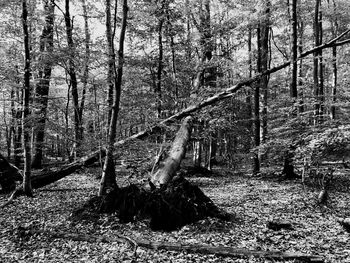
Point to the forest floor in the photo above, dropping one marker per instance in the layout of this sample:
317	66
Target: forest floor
254	201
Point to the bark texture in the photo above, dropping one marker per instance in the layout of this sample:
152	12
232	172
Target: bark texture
176	154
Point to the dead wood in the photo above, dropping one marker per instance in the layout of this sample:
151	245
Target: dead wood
189	248
177	152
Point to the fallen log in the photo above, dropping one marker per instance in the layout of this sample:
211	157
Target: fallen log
226	93
189	248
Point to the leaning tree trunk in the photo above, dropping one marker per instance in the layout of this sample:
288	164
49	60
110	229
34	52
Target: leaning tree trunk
177	152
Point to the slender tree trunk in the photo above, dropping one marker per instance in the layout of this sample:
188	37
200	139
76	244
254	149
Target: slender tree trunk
300	72
108	173
294	80
256	167
321	67
42	88
316	62
334	62
249	95
86	65
27	188
73	79
265	29
160	68
17	116
111	59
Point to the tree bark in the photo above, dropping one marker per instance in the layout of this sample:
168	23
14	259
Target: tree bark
264	81
177	152
160	64
111	60
42	88
294	56
73	79
86	64
334	62
108	173
256	167
316	61
26	127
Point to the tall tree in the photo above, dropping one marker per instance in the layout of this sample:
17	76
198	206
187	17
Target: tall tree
42	87
110	34
27	188
294	79
73	78
316	57
334	61
86	62
264	81
262	85
108	173
161	19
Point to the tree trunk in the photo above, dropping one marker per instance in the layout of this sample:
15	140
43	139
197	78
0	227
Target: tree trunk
17	121
265	29
160	67
111	60
256	167
26	127
73	80
294	56
177	152
86	65
300	72
321	67
334	62
42	88
108	173
316	62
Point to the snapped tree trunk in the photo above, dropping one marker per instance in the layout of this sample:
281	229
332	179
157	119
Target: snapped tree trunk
177	152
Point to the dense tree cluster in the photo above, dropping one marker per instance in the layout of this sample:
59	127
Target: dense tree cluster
79	75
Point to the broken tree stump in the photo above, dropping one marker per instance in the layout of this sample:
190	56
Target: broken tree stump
167	208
